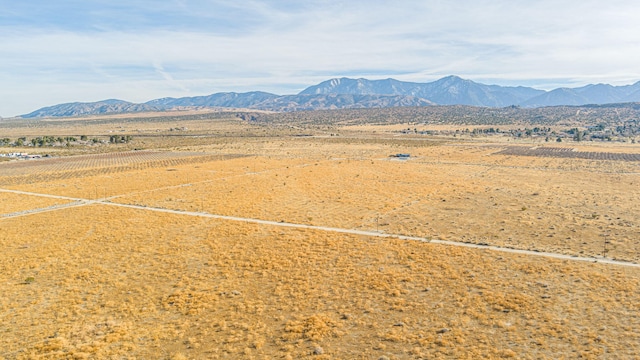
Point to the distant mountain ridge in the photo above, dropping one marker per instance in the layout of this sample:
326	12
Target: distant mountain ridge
226	99
111	106
590	94
347	93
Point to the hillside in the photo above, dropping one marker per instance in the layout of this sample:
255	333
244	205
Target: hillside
111	106
252	100
451	90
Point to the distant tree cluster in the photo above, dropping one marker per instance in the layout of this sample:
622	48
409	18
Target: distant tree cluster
600	132
21	141
120	139
43	141
52	141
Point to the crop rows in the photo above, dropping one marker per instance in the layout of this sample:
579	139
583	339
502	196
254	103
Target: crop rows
87	161
29	172
567	153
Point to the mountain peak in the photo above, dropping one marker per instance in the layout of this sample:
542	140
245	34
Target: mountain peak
453	77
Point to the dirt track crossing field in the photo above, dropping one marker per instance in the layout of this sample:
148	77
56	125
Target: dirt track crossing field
324	251
82	202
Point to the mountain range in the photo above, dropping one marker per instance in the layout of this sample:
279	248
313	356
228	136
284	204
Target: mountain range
346	93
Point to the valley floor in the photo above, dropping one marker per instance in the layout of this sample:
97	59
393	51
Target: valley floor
122	259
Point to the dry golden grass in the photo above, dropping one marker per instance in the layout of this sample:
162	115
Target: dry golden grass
65	169
94	184
152	285
101	281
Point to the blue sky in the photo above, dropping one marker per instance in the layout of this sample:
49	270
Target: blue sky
64	51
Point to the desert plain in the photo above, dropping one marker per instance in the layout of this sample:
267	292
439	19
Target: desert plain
233	240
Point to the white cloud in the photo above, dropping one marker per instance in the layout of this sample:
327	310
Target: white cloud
286	46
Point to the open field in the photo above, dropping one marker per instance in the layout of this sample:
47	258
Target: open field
100	280
171	286
463	193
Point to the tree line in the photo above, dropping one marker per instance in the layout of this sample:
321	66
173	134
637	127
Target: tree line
41	141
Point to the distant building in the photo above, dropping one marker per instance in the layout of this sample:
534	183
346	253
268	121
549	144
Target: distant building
21	156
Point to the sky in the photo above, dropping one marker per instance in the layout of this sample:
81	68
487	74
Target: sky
54	52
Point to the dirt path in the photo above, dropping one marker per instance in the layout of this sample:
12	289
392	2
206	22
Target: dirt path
45	209
82	202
